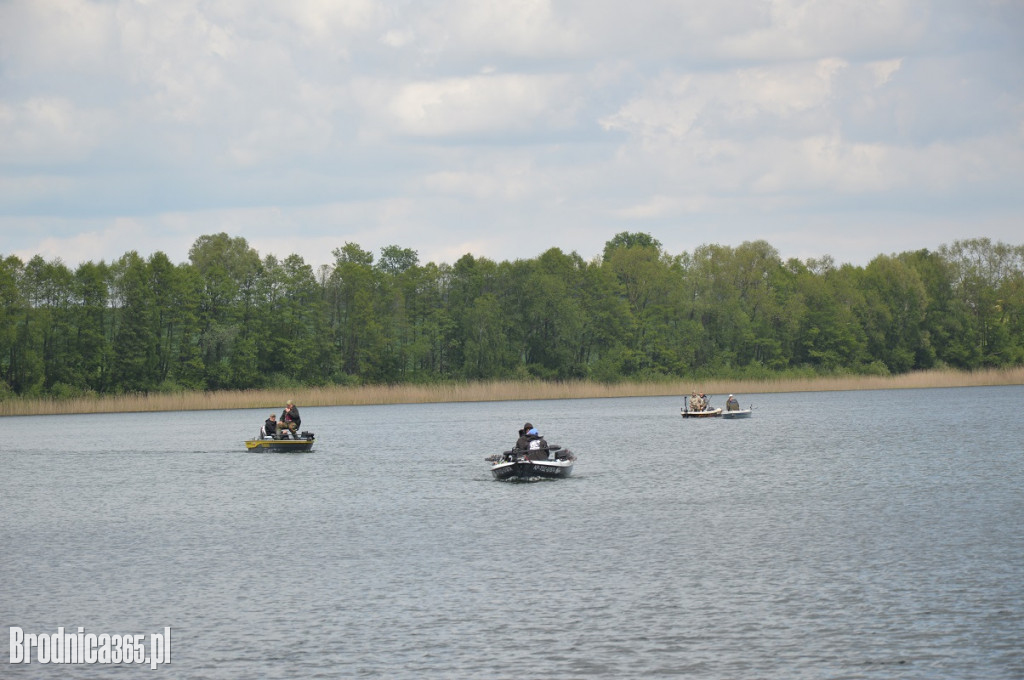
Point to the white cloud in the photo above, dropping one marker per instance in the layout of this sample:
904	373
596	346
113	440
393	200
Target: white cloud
533	29
483	104
327	19
506	184
95	243
805	29
56	38
775	129
481	124
746	102
823	163
884	70
397	38
46	130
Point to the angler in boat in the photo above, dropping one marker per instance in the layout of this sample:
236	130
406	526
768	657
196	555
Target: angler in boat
532	458
282	435
733	410
699	406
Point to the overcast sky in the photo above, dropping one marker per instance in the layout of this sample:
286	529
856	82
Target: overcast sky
502	128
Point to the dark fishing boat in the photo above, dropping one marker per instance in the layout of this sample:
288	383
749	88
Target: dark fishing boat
282	443
517	465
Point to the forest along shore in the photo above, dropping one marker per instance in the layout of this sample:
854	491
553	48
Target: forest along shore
497	391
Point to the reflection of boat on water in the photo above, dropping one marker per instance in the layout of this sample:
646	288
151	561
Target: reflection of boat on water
517	465
713	413
282	443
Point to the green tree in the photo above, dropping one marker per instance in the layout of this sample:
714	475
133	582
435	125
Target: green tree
135	365
290	322
22	362
163	280
229	319
647	281
191	323
486	319
940	324
759	279
985	275
430	323
551	322
895	322
608	323
356	327
717	287
228	309
823	316
93	350
9	313
395	260
397	269
44	336
625	239
485	340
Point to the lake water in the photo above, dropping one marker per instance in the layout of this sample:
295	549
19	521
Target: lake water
874	534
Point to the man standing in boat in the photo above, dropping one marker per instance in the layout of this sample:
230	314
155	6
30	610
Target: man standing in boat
290	417
731	404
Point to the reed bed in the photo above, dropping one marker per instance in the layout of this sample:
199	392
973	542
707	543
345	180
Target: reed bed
274	399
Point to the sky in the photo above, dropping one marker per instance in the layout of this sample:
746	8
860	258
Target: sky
504	128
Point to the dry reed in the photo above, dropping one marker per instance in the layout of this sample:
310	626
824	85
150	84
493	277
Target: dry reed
496	391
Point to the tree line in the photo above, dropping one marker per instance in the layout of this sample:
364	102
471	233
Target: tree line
231	319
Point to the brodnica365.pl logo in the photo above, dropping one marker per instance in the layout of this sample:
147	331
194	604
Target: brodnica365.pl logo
90	648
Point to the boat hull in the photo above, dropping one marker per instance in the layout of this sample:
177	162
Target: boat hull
732	415
280	445
527	470
714	413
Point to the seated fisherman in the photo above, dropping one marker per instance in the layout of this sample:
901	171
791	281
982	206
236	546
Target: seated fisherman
530	440
523	443
270	427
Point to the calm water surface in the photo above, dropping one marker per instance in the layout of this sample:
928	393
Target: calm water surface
832	535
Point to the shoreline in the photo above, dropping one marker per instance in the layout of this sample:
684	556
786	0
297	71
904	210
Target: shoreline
496	391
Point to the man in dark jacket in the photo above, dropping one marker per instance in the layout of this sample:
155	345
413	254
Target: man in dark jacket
523	443
270	426
290	417
530	440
